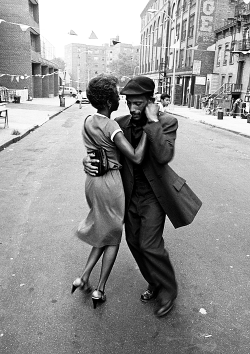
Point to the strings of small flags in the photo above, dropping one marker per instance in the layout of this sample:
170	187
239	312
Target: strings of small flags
25	77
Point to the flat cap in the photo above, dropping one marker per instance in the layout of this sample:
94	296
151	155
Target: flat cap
139	85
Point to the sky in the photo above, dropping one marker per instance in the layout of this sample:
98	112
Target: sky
107	18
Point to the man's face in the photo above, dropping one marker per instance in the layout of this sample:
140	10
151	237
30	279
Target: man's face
165	102
136	105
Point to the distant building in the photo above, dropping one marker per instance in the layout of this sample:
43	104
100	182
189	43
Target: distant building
176	44
232	58
86	61
25	58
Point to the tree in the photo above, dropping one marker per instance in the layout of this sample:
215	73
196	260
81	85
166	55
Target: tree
60	62
124	65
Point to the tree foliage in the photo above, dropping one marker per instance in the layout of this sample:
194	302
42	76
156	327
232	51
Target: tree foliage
60	62
123	66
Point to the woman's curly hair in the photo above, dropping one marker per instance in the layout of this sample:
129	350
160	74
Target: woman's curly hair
101	89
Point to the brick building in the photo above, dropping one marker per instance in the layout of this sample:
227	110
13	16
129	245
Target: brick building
21	62
177	44
232	60
84	61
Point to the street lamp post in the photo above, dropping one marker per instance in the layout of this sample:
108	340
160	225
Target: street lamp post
136	67
153	11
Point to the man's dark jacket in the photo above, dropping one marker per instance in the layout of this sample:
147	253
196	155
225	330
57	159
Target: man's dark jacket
176	198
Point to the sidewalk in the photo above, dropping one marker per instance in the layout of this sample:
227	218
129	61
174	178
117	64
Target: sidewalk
235	125
26	117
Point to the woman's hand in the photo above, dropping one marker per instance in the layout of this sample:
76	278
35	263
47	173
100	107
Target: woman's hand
88	167
152	112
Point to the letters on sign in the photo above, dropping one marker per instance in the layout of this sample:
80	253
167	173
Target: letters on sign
206	27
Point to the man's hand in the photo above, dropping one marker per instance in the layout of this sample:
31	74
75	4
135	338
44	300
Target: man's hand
88	167
152	112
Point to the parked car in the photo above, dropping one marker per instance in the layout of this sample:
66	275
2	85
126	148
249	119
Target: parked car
68	91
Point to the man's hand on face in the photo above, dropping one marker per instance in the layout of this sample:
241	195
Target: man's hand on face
88	167
152	112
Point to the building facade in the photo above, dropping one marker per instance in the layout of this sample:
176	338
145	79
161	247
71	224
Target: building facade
86	61
232	60
177	44
24	61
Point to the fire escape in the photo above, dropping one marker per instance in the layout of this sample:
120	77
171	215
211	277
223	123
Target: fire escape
241	24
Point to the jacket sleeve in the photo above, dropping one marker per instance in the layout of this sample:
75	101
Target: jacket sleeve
162	137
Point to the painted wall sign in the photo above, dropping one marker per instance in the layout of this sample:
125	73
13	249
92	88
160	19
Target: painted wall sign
200	80
206	22
196	67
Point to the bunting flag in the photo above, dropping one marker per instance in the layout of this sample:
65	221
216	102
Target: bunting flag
22	26
24	77
93	35
72	33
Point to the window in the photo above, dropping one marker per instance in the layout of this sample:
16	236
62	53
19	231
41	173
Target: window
191	26
231	56
189	57
178	32
226	54
182	58
184	30
178	10
34	42
33	10
219	56
185	5
223	79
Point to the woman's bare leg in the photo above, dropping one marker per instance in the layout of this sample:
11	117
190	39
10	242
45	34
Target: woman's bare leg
108	260
93	258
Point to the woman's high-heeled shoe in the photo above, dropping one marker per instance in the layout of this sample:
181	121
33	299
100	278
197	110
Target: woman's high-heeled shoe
79	283
98	296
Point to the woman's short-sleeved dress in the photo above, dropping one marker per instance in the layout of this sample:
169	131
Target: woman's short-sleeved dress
105	195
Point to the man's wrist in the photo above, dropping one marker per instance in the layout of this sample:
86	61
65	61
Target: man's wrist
153	120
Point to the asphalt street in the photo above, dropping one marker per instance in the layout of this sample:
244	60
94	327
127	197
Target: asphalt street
41	202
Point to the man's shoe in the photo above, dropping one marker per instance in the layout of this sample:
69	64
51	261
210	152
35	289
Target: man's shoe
165	309
149	295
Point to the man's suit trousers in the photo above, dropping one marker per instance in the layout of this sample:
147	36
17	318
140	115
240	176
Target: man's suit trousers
144	224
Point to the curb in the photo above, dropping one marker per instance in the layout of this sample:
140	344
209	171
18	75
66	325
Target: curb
19	137
214	126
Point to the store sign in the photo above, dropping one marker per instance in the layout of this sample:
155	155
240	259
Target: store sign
196	67
206	22
200	80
